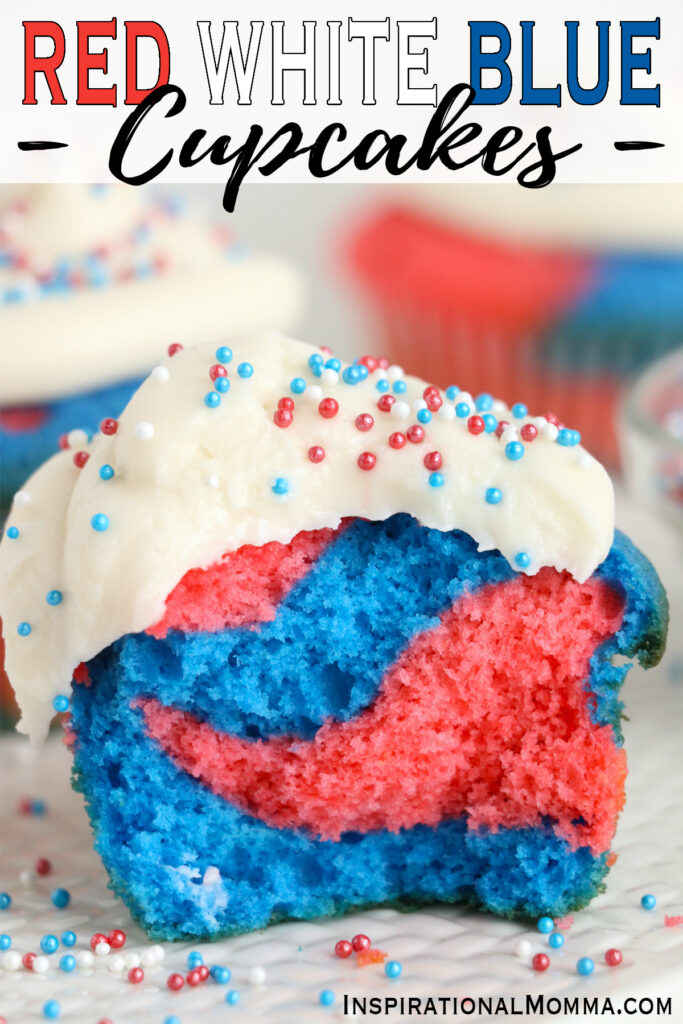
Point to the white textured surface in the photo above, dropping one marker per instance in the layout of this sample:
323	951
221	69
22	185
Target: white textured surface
444	951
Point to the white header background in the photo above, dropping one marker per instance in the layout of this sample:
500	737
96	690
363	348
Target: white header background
90	130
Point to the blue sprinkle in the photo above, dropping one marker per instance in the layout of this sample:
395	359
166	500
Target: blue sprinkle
54	597
568	438
523	560
435	480
349	375
212	399
100	522
316	362
173	1019
484	402
361	371
494	496
5	942
61	897
245	370
577	437
585	965
382	386
68	939
424	416
49	943
393	969
221	975
545	925
462	410
519	410
326	997
67	962
24	628
5	901
232	997
297	386
60	704
38	807
51	1009
648	902
333	364
281	486
221	384
399	388
490	422
224	354
514	450
194	959
106	471
12	532
556	940
452	391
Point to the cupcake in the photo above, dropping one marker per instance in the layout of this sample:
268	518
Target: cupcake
336	639
94	282
556	295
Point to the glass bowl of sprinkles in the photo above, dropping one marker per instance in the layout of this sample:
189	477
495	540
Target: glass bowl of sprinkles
652	437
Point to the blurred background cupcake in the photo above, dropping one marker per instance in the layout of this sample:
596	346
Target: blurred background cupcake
555	297
95	283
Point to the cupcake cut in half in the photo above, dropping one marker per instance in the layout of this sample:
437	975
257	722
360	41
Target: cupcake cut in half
335	641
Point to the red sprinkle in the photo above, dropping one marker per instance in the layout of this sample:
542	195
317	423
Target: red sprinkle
613	957
282	418
540	962
116	938
415	434
528	432
329	407
26	805
383	363
64	442
360	941
433	461
175	982
397	440
370	956
175	348
502	424
366	460
136	975
429	390
203	972
27	960
343	948
370	362
286	403
434	402
217	370
672	921
43	866
552	418
96	939
109	426
364	421
316	453
80	459
193	978
475	425
385	402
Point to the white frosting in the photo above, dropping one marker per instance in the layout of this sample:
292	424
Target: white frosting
193	482
206	289
601	217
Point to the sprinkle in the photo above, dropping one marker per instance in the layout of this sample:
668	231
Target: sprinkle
545	925
161	374
232	997
283	418
54	597
257	975
564	923
418	404
462	410
316	453
436	480
670	921
60	704
216	371
452	391
12	532
541	962
96	939
550	432
68	939
501	428
523	949
51	1009
116	964
80	459
106	471
67	963
172	1019
484	402
360	941
523	560
366	460
102	949
297	386
221	975
313	393
328	408
433	460
613	957
223	354
131	960
11	960
280	486
6	942
556	940
326	997
393	969
109	426
333	364
583	460
519	410
475	425
397	440
415	434
401	410
382	386
585	965
568	438
100	522
84	958
316	362
28	960
174	348
245	370
222	385
49	943
212	399
514	450
425	416
399	387
136	975
342	949
447	413
22	498
23	629
364	421
493	495
385	402
648	901
330	377
143	431
194	959
395	372
529	432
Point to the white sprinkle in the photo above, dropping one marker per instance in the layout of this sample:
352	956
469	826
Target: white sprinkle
583	460
11	960
159	953
313	393
257	976
116	964
418	404
395	373
148	957
329	376
41	965
446	412
85	958
22	498
212	876
143	430
524	949
161	374
27	878
102	949
212	481
509	434
498	407
401	410
77	438
130	960
549	431
465	396
539	422
380	373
